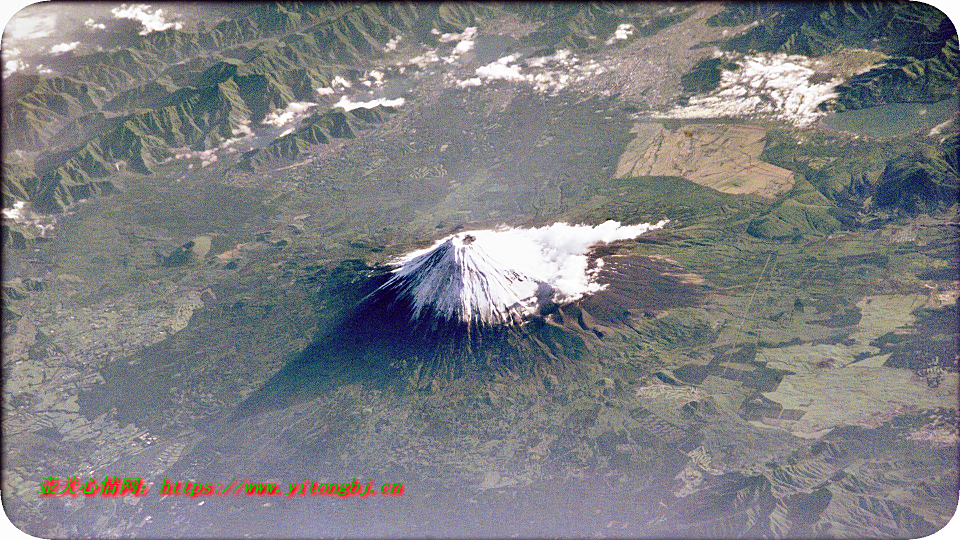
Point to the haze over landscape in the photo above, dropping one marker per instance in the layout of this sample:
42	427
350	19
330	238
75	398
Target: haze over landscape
563	270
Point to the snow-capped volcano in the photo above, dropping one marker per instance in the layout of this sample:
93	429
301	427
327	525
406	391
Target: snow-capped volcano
495	277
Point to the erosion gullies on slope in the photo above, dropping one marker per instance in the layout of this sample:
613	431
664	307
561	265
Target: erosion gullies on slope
175	92
902	29
271	39
501	277
44	105
379	346
377	342
904	80
920	181
318	128
460	280
920	40
590	25
129	107
227	100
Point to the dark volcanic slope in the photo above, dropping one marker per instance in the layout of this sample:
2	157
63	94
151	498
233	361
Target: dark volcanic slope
382	343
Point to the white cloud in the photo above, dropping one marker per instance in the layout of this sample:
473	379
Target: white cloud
243	130
775	85
464	41
31	27
562	56
463	46
292	111
422	60
448	37
545	73
374	78
325	91
152	21
472	81
207	157
64	47
512	271
938	129
93	25
392	44
622	32
348	105
22	214
12	66
503	69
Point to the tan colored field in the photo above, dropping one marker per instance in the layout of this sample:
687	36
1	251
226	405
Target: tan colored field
724	157
872	393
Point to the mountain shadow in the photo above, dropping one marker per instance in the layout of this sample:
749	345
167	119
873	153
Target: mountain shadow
383	343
